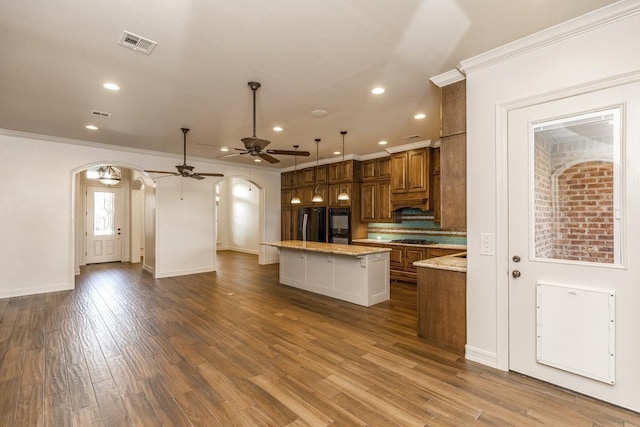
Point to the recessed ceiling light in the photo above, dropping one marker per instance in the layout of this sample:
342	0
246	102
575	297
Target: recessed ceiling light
277	128
257	160
382	142
111	86
91	127
377	90
337	153
319	113
420	116
224	149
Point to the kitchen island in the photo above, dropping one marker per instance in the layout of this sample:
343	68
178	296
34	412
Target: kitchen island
356	274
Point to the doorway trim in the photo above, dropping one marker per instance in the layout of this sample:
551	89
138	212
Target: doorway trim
502	196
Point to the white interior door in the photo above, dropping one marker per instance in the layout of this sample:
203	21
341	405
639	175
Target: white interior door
104	224
574	288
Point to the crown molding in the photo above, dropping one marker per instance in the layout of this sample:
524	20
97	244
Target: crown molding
588	22
447	78
407	147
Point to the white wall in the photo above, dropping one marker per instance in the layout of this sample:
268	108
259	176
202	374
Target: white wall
37	219
581	58
244	216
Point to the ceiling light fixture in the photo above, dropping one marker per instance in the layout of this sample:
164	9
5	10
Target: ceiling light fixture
377	90
382	143
295	200
319	113
337	153
91	127
317	198
108	175
224	149
257	160
111	86
420	116
277	129
343	194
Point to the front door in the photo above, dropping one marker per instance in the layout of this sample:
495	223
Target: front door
574	277
104	224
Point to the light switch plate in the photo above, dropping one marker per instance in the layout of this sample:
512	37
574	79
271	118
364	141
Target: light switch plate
487	244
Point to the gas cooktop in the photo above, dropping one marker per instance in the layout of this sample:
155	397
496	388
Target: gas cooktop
414	241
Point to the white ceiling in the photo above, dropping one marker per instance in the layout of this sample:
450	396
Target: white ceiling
307	54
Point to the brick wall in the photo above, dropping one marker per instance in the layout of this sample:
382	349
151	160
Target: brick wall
573	199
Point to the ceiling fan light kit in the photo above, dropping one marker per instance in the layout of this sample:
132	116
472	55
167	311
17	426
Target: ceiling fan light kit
184	169
343	194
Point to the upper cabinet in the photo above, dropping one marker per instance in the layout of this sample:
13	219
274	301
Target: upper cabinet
454	112
453	157
410	176
376	169
343	171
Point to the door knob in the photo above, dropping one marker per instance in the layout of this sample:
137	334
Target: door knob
516	258
515	274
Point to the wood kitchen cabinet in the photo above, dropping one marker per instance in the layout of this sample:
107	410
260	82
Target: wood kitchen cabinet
375	202
454	109
435	191
344	171
442	307
286	179
335	190
376	169
308	176
309	192
289	223
453	182
410	177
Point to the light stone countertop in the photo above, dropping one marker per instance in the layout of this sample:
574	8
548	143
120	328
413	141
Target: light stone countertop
457	262
433	245
329	248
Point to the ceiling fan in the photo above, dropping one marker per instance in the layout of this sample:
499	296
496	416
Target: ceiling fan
184	169
256	146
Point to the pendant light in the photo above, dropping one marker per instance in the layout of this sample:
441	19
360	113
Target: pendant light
317	198
295	200
343	194
109	175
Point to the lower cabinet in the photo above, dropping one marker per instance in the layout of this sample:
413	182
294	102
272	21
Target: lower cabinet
402	257
442	307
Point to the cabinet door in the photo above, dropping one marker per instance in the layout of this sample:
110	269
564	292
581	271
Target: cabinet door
289	223
321	174
399	172
334	190
285	197
369	170
418	168
308	176
368	202
309	192
396	257
286	179
383	168
384	210
454	182
413	254
334	172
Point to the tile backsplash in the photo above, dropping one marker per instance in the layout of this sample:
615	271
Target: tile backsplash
415	224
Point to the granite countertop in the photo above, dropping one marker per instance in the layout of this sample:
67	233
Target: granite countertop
433	245
456	262
329	248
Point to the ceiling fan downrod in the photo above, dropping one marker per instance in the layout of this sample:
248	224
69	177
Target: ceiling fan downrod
254	87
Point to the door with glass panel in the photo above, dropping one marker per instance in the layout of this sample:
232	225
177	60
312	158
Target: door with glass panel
574	281
104	224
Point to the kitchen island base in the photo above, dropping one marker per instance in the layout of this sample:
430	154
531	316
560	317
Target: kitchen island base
359	279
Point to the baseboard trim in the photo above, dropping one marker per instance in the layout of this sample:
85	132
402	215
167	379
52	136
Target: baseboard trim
174	273
35	291
481	356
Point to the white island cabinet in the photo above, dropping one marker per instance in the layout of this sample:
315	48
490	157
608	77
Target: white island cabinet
357	274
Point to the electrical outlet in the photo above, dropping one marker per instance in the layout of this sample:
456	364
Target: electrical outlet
487	244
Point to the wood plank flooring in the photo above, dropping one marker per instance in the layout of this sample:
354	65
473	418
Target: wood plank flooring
235	348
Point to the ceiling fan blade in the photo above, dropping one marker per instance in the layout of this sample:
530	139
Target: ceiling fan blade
288	152
196	176
152	171
222	146
268	158
232	155
208	174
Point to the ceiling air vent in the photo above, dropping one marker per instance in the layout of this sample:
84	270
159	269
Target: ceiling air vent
411	136
100	113
137	43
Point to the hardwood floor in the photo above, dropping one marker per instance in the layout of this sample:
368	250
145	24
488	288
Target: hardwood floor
236	348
